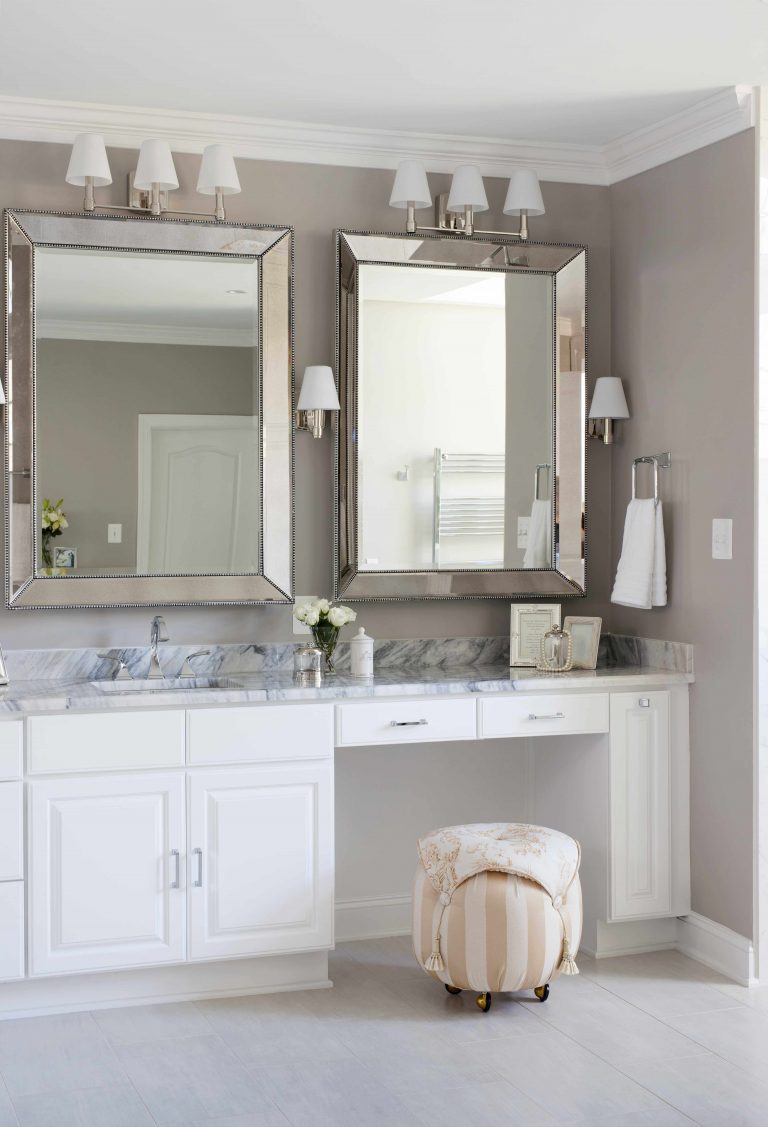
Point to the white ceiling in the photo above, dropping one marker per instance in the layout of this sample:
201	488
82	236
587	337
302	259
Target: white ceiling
542	70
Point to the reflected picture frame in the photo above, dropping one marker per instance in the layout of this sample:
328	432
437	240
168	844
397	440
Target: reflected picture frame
585	637
529	622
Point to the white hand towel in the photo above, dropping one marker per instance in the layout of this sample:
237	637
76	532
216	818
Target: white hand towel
641	577
538	553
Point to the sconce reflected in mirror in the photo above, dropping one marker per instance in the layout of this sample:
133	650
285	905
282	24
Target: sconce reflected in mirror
608	403
318	395
154	178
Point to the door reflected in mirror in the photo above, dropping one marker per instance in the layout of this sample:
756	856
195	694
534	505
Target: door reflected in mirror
147	409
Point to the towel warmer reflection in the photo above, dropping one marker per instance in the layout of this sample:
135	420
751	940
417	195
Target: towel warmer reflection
466	516
659	462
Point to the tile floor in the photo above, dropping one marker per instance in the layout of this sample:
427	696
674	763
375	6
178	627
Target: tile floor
642	1041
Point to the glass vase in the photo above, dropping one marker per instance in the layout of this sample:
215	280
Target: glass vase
326	636
47	551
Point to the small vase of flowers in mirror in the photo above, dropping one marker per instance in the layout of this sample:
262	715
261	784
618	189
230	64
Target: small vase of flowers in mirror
325	621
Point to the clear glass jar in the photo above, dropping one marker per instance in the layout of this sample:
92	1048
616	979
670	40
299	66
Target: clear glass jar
556	651
308	665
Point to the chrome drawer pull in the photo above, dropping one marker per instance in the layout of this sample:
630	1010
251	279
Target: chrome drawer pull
198	882
551	716
176	882
407	723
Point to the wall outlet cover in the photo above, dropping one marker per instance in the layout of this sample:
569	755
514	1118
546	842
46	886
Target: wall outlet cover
722	538
114	533
523	525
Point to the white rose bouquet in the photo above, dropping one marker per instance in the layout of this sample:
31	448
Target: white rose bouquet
325	621
53	522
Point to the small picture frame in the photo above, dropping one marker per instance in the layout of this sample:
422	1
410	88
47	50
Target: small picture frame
65	557
585	636
529	623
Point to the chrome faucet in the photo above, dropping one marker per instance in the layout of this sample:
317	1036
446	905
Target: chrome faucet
120	671
159	633
187	670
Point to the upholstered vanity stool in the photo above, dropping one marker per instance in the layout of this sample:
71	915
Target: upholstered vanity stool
497	907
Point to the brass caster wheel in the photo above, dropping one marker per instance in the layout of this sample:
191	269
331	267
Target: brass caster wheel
542	992
452	989
484	1002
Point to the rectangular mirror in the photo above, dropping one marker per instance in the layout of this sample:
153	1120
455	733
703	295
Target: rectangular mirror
461	436
149	384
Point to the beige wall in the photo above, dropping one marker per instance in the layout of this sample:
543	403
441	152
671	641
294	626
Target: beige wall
683	339
315	200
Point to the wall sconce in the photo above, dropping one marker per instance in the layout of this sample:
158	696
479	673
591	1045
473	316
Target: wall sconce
455	210
608	403
154	178
318	395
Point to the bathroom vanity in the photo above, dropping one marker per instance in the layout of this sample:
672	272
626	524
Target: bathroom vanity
179	844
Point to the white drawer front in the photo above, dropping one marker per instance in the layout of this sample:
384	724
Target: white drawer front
544	714
261	733
11	743
417	721
11	851
11	930
111	741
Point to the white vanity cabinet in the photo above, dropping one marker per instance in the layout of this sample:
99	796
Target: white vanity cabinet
261	859
105	872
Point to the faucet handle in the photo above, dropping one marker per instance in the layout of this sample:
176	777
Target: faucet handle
186	669
121	672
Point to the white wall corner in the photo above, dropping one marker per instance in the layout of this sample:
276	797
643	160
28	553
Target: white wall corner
718	116
717	947
375	917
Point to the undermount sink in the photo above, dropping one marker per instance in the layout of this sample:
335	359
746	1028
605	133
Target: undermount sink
166	685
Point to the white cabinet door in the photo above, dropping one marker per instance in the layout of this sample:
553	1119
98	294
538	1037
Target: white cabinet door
261	859
106	872
641	850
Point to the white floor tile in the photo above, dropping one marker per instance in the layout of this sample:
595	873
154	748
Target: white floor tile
7	1114
493	1104
712	1092
662	984
740	1035
56	1054
192	1078
91	1107
151	1023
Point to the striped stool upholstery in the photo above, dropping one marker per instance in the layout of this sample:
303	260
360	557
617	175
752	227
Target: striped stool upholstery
482	920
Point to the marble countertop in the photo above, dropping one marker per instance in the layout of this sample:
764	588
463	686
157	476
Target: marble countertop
31	697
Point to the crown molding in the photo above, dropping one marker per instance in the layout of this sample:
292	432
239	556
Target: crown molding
718	116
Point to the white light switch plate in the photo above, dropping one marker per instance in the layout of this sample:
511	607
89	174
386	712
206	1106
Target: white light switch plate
299	627
722	538
114	533
523	525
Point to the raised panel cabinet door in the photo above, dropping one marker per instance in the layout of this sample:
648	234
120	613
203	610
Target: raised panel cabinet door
260	860
106	872
641	837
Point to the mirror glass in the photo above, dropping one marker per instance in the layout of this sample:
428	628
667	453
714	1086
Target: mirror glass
462	372
147	391
149	424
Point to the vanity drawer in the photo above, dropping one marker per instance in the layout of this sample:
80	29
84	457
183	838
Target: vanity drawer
543	714
11	743
260	733
11	847
401	722
123	741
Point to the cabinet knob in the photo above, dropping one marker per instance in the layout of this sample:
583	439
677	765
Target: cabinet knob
644	702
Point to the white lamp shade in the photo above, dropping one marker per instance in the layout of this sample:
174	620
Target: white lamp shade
467	189
89	158
218	172
155	167
318	390
608	399
524	193
410	186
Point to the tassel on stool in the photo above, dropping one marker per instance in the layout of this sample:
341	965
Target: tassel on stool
435	960
568	965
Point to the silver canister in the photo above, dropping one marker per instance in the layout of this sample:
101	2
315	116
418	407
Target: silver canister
308	665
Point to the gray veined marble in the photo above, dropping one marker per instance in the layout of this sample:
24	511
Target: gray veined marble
652	653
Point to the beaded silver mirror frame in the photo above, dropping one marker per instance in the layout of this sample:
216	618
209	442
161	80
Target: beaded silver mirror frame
271	247
567	577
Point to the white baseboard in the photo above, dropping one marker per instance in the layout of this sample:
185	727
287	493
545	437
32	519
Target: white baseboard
374	917
699	938
717	947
